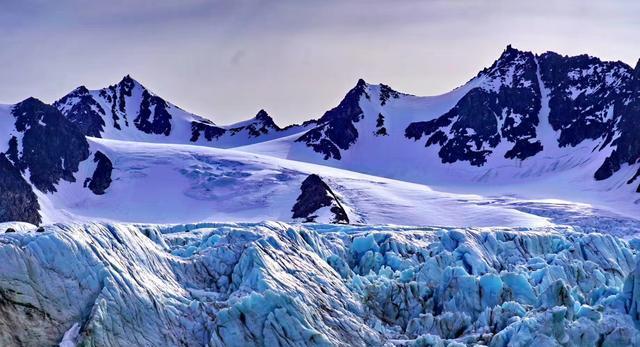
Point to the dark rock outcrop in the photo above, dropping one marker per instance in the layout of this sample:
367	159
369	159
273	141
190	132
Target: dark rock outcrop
101	178
116	95
17	199
315	195
87	110
206	128
52	147
589	99
337	130
261	124
627	144
83	111
381	130
581	94
387	93
473	123
153	117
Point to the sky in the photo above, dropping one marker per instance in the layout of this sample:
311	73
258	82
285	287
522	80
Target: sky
226	60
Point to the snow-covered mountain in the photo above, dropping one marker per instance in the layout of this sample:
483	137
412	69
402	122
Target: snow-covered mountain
129	111
538	126
51	173
140	207
527	118
39	148
570	122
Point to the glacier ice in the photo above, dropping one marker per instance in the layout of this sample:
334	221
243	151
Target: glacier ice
276	284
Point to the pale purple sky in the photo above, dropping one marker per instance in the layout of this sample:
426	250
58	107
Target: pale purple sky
296	59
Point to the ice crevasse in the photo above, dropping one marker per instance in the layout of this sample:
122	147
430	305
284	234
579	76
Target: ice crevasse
275	284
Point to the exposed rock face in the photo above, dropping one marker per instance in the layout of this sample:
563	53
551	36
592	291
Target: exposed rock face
129	111
381	130
207	128
627	144
588	100
583	92
505	106
86	113
101	179
261	124
17	200
387	93
160	123
52	147
337	130
273	284
118	104
116	95
316	195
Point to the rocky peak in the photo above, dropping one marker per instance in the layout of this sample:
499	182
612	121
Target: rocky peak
636	70
266	120
337	130
127	84
81	90
510	58
509	52
261	124
127	80
263	117
349	106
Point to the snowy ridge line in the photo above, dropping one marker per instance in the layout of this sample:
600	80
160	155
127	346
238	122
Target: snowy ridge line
275	284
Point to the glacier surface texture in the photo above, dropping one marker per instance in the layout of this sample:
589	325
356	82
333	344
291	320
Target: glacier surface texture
275	284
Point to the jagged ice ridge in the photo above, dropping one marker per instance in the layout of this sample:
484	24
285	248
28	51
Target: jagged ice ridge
288	285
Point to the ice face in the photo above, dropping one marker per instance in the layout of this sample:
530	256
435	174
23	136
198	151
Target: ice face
275	284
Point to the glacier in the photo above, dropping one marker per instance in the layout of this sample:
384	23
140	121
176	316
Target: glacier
278	284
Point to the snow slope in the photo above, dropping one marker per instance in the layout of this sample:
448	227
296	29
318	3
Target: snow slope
538	126
162	183
273	284
558	171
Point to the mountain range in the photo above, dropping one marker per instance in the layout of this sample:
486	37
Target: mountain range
534	126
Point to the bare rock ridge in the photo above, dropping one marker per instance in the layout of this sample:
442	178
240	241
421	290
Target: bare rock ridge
315	197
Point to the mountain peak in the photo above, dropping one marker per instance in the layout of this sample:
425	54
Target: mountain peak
510	48
32	101
128	82
127	79
508	57
636	70
263	116
509	53
361	83
81	90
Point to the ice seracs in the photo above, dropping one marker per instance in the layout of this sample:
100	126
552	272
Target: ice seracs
279	285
